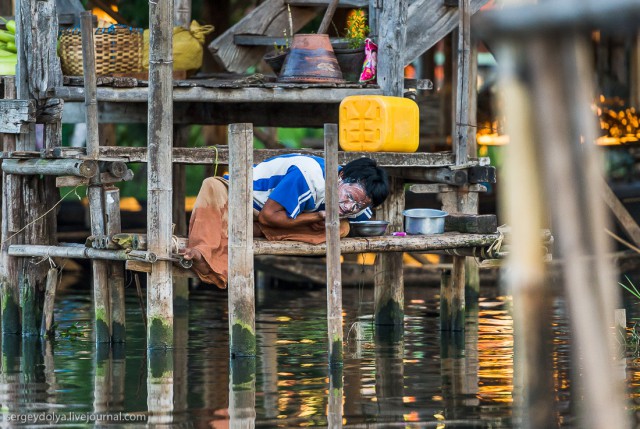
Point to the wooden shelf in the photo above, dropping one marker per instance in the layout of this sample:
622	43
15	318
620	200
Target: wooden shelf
266	93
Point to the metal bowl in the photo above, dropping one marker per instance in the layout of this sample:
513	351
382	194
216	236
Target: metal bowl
424	221
368	228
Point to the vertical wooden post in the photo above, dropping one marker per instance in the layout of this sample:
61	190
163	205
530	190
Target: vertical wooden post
38	72
115	268
102	314
374	13
180	284
181	17
334	274
242	304
182	13
11	204
159	162
462	133
389	280
389	293
525	263
392	25
562	100
462	114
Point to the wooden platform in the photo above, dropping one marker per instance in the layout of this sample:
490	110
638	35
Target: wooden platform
416	244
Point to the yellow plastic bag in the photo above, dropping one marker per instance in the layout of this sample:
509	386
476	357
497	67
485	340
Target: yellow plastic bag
187	46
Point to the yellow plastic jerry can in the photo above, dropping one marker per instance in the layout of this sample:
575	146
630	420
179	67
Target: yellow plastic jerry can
378	123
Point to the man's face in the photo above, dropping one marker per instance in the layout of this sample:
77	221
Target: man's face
352	198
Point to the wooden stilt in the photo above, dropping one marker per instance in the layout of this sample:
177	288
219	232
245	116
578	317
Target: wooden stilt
37	27
562	102
11	203
389	280
389	285
100	278
242	330
334	275
116	269
159	183
180	139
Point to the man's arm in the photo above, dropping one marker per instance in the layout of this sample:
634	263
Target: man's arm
274	215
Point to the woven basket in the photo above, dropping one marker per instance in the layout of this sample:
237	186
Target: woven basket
118	49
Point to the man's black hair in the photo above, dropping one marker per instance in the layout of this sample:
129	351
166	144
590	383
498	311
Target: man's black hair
366	172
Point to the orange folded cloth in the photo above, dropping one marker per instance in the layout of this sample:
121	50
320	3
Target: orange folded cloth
208	231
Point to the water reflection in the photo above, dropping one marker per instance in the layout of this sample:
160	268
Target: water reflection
416	378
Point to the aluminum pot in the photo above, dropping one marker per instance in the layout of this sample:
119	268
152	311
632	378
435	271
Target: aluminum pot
424	221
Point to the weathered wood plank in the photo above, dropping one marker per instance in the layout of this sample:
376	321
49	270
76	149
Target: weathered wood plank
324	3
208	156
428	23
16	115
269	18
391	45
38	71
9	233
438	175
105	179
284	94
471	223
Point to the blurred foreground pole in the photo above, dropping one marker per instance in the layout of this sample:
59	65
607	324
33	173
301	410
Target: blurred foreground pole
546	76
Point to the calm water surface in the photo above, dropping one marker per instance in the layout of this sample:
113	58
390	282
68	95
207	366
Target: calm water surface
424	379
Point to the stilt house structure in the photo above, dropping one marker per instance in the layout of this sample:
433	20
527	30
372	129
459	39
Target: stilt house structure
41	95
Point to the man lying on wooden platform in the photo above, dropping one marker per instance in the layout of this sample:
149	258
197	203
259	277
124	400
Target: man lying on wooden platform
288	202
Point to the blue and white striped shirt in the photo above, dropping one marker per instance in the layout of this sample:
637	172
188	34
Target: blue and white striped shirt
294	181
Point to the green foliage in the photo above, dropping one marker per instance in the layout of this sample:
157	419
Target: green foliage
357	29
73	332
631	288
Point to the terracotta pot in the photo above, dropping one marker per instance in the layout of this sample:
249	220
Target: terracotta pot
311	60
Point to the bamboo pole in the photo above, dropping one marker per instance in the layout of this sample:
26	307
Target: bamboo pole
102	311
11	204
525	266
334	275
562	107
54	167
116	269
159	183
241	285
79	251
